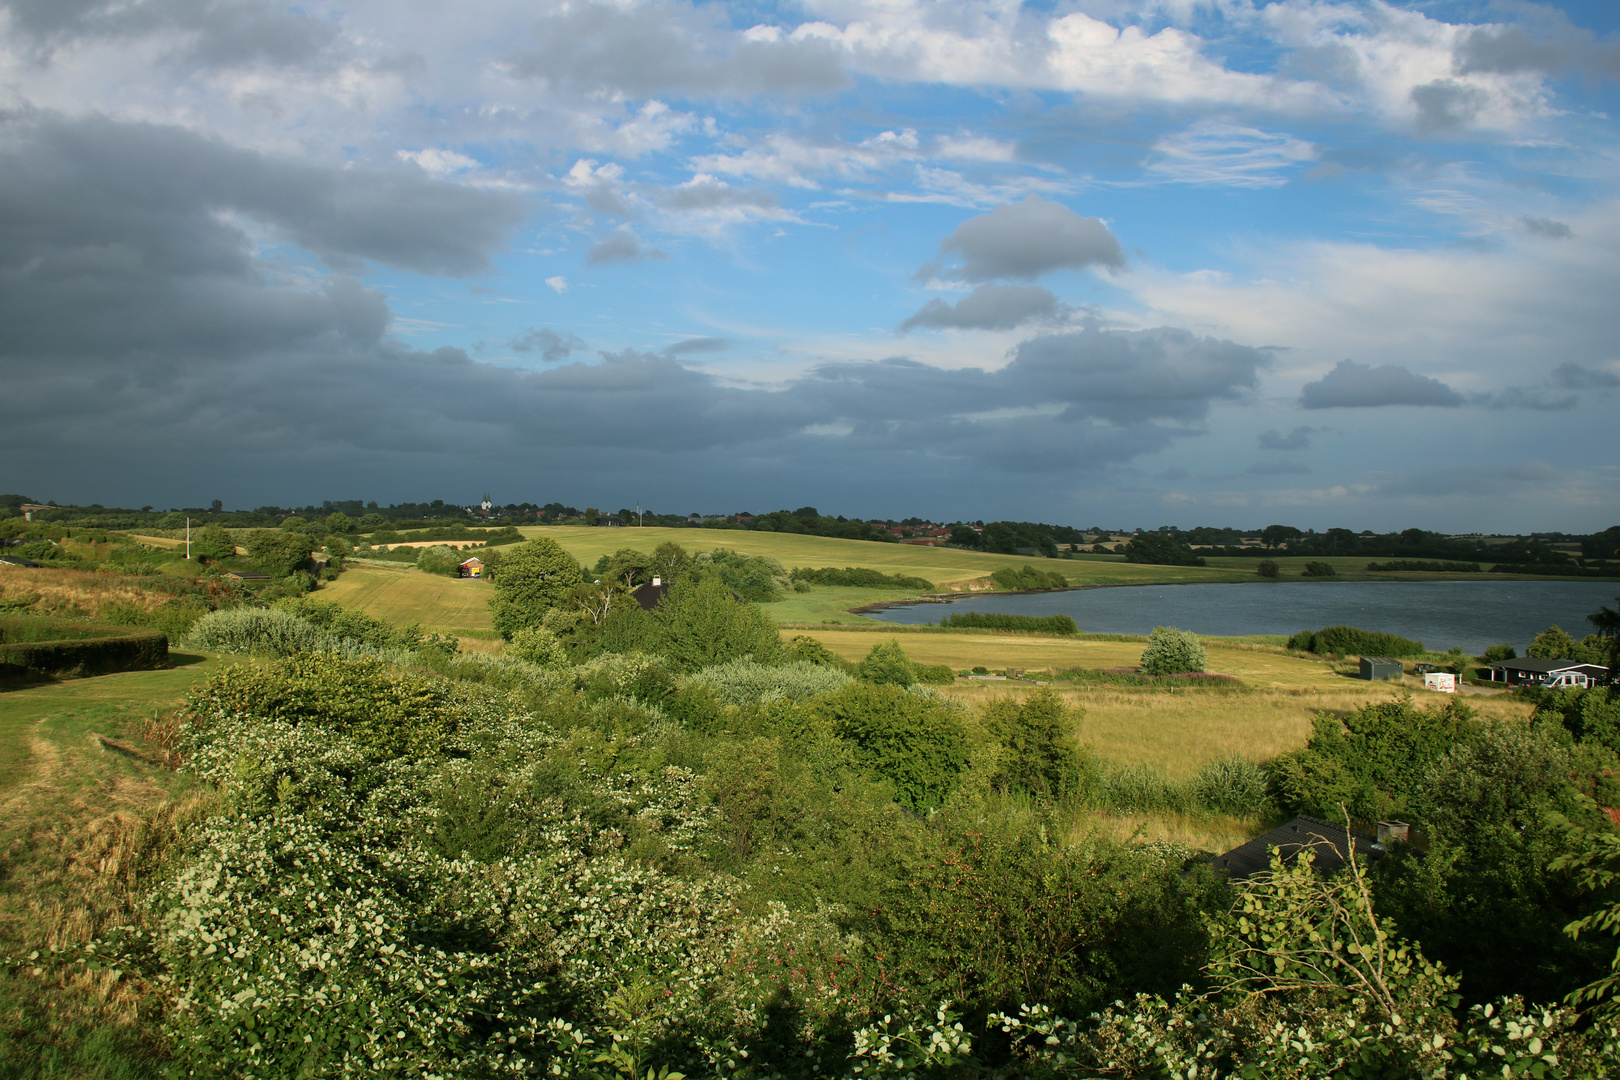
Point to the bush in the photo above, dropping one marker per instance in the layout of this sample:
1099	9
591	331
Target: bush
1061	625
1233	785
534	577
1495	654
1319	569
56	647
1268	568
915	744
1029	579
887	664
861	577
1409	565
279	552
349	623
934	674
700	624
268	631
1038	750
439	560
1173	652
758	578
1349	641
744	682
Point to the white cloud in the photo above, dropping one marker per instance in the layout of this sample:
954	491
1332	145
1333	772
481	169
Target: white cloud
438	162
1212	152
558	284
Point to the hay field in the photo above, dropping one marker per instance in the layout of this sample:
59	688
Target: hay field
947	568
405	595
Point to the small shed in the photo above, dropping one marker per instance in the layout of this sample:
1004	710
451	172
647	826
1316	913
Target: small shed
1381	668
473	567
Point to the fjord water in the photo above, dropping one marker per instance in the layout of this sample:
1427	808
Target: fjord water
1473	614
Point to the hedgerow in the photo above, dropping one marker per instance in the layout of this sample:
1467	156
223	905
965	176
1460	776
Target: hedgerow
1061	625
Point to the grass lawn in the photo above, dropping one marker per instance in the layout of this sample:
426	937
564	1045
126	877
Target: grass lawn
405	595
86	814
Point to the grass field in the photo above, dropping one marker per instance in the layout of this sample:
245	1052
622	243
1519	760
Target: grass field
405	595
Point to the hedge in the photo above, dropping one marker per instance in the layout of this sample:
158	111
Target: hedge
51	647
1348	640
1061	625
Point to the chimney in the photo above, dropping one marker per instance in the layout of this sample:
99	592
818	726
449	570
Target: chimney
656	583
1389	831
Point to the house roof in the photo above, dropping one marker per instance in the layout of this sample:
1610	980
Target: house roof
18	560
1544	667
1330	842
649	595
474	560
1381	660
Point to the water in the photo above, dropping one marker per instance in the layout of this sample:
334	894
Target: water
1473	614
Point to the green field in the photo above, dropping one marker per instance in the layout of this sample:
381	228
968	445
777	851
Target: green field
403	594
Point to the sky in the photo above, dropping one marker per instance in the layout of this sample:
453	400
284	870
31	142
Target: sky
1095	262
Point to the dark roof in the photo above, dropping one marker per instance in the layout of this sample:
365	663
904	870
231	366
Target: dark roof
1545	667
18	560
1381	660
1328	839
649	595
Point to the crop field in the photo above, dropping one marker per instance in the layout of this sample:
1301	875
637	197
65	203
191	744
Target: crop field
404	595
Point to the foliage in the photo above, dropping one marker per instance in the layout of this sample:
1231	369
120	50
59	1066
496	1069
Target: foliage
742	682
699	624
859	576
1552	644
887	663
1028	579
1173	652
213	542
670	562
1037	736
1348	641
1160	550
1497	653
1319	569
279	553
1233	785
1409	565
915	744
758	578
1589	716
1061	625
538	645
439	560
1594	857
534	578
268	631
1268	568
351	623
33	646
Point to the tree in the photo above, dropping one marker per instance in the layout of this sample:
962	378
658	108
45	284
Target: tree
279	553
213	542
534	578
998	538
700	623
887	663
670	562
1173	652
627	567
1552	644
916	744
340	523
1161	550
1275	536
538	645
1037	738
294	523
592	515
372	522
966	536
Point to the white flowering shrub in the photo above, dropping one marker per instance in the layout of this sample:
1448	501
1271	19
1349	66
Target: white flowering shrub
742	682
268	631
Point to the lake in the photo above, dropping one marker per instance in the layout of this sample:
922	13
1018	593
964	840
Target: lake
1473	614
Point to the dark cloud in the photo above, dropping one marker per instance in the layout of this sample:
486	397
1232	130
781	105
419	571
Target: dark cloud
1026	239
551	345
606	199
1351	385
217	34
620	246
1557	48
1445	105
697	345
1298	439
1572	376
1536	399
1549	227
1278	468
989	307
670	49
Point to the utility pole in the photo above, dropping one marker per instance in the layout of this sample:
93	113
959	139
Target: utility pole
638	513
188	539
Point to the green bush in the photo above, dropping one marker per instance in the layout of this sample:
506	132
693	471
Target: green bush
1061	625
887	663
534	578
1233	785
1495	654
350	623
1319	569
1028	579
915	744
743	682
1268	568
1037	737
57	647
439	560
700	624
757	578
1173	652
279	552
266	631
934	674
1395	565
861	577
1349	641
1161	550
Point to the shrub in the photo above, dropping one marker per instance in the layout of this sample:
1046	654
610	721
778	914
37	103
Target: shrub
887	663
350	623
1061	625
861	577
1037	738
439	560
53	647
279	552
917	745
1268	568
934	674
1495	654
270	631
534	577
1319	569
1029	579
1349	641
537	645
1425	567
743	682
699	624
1233	785
1173	652
758	578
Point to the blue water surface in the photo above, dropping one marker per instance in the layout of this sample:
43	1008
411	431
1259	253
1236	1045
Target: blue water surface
1473	614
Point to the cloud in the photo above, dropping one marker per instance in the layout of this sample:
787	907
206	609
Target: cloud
697	345
558	284
551	345
1548	227
1446	105
1573	376
1351	385
1277	468
671	48
1026	239
1561	47
1298	439
1211	152
620	246
989	307
218	34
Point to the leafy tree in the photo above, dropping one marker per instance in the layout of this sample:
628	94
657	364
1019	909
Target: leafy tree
966	536
534	578
670	562
999	538
700	624
759	578
1552	644
1173	652
1268	568
592	515
626	567
1161	550
439	560
1037	738
372	522
1275	536
887	664
213	542
294	523
1495	654
916	744
279	553
537	645
339	523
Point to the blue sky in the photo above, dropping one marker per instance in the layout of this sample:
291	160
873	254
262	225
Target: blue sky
1100	262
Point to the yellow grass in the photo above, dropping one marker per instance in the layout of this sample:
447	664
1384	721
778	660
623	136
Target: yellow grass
404	595
1217	834
74	592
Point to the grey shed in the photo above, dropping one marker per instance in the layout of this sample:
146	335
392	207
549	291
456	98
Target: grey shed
1380	668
